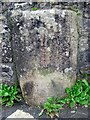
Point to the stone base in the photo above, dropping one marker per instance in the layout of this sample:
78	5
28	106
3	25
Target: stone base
36	87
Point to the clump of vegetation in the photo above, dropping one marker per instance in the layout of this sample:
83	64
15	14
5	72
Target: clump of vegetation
52	107
34	9
78	12
78	94
9	94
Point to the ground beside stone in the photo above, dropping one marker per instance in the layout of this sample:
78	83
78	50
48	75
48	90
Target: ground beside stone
21	110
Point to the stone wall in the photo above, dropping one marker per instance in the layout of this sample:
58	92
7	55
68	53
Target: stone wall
8	64
43	44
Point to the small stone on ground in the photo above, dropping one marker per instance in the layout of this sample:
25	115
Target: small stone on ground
20	114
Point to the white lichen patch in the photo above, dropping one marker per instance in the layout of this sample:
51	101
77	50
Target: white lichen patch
63	14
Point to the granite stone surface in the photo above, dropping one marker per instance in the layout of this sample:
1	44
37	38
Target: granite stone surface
43	45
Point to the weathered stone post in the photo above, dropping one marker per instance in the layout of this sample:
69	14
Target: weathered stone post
45	45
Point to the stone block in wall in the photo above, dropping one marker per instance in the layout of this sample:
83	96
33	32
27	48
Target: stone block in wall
45	52
84	48
6	60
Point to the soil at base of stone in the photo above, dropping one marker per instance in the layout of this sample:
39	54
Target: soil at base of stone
66	112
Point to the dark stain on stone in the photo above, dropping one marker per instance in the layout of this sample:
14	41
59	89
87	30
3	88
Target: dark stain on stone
28	88
37	23
53	83
56	18
5	69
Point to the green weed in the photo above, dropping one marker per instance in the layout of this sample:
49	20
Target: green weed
34	9
78	94
9	94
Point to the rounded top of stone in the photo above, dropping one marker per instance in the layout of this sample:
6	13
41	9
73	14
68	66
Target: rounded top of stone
41	12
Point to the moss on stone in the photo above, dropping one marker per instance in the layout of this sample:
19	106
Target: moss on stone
45	71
